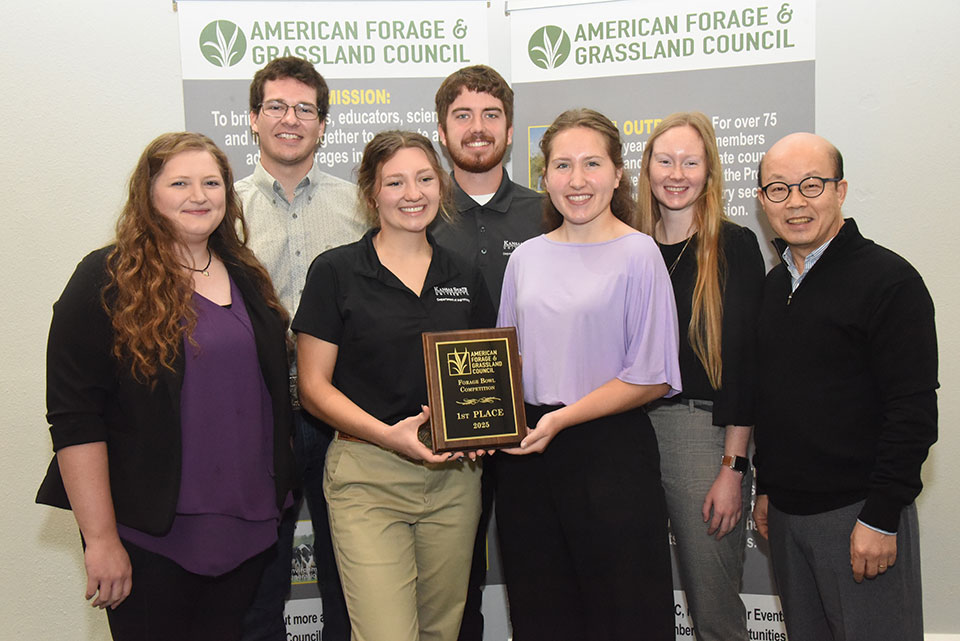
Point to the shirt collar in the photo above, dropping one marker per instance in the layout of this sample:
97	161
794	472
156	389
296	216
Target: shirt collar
847	230
442	267
796	277
272	188
500	202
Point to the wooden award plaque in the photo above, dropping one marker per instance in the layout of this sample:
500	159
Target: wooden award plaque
474	389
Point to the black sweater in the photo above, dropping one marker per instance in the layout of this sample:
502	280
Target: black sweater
847	405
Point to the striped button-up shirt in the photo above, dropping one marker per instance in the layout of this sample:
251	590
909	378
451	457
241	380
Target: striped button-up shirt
287	236
796	276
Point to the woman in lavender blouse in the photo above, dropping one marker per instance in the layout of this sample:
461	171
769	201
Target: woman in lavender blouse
580	509
168	403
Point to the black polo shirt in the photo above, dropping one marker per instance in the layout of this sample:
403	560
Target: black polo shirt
486	235
353	301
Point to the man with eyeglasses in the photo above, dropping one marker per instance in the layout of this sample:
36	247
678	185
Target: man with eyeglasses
847	410
294	212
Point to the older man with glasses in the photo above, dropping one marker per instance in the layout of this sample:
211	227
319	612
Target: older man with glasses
847	409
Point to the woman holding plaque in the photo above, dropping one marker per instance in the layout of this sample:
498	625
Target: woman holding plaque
580	509
402	518
717	273
169	406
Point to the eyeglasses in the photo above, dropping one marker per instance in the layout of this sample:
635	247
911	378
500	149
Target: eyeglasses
278	109
810	187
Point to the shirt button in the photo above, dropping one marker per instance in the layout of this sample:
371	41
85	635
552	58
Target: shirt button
297	252
483	250
294	216
482	229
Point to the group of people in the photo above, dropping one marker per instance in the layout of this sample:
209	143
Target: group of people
185	415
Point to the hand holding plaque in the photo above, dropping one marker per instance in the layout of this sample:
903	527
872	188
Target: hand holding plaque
474	389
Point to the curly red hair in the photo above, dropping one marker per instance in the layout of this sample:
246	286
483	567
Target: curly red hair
149	292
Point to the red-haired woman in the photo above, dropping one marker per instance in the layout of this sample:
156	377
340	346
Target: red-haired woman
168	401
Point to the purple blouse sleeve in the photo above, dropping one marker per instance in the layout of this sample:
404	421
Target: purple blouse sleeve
650	326
507	317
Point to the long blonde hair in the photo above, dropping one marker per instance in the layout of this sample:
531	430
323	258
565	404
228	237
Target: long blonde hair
706	319
148	294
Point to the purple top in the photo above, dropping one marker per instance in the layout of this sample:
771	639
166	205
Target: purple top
226	510
589	312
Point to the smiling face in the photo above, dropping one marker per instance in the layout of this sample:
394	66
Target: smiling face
678	170
408	192
476	132
287	141
189	191
804	223
580	176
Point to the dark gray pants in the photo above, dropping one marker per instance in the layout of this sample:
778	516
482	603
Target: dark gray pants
822	602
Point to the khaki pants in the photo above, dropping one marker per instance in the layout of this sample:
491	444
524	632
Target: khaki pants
403	537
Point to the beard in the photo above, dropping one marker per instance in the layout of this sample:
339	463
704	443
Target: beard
468	160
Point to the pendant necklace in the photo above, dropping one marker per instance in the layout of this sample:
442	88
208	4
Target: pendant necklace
679	256
206	268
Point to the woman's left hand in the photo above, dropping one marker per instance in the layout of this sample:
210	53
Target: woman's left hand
725	502
537	439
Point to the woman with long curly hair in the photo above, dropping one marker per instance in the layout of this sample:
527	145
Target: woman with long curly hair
580	510
168	401
717	274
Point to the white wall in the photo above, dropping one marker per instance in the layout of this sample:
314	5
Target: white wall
887	96
97	80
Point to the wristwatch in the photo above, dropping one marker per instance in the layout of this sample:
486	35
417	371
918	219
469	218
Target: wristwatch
736	463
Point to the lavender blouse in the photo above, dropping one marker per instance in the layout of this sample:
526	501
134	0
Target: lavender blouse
590	312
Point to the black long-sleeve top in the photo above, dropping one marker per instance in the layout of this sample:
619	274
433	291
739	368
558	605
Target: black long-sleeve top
742	271
847	405
92	397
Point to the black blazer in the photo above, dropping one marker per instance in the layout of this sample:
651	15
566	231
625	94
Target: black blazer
92	397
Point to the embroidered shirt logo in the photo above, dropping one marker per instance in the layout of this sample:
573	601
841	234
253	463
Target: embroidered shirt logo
509	246
452	294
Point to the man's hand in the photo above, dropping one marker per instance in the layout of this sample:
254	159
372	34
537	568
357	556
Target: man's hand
871	552
760	515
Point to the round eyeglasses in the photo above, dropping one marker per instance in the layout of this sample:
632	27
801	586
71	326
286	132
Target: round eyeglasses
278	109
809	187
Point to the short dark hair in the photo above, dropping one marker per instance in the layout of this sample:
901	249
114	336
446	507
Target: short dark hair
291	67
478	78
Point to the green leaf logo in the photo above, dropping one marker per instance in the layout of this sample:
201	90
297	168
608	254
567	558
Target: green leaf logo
222	43
549	47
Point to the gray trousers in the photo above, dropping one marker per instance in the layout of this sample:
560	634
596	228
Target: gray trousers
822	602
711	571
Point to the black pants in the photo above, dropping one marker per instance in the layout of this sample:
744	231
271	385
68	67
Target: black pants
471	627
583	534
168	602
